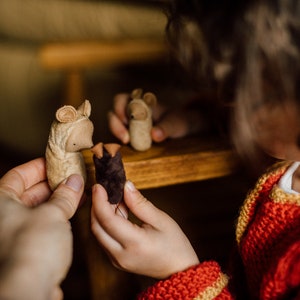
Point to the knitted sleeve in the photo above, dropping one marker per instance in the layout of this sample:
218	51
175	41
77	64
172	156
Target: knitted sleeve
268	237
204	281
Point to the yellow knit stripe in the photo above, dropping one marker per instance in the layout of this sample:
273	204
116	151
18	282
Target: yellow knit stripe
213	291
281	197
244	215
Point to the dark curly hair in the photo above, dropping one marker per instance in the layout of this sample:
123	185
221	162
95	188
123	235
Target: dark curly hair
249	47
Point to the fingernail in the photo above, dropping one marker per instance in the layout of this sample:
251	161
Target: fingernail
75	182
158	134
125	138
129	185
95	187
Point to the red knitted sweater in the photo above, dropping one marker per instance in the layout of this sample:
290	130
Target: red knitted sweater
268	239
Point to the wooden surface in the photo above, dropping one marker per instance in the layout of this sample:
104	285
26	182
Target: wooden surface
174	161
81	55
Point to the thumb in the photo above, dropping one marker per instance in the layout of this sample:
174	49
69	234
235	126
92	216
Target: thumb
173	125
67	195
179	123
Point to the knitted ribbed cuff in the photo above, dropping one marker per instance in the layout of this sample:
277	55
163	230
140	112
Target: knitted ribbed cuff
204	280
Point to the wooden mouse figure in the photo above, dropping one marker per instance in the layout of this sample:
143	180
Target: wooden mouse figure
70	132
139	111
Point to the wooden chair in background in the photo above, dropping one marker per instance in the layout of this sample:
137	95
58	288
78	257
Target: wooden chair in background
172	162
74	58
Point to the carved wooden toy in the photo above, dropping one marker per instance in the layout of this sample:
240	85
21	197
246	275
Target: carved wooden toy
139	111
110	171
70	132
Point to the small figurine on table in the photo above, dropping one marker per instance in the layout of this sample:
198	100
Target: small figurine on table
139	111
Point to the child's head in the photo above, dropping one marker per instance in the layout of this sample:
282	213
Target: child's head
251	47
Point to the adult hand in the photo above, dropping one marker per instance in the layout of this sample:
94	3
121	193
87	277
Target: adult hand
35	234
156	248
167	124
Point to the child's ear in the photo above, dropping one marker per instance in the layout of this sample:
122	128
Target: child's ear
150	99
85	108
66	114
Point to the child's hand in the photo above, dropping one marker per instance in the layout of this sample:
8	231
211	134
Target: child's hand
35	234
157	248
167	124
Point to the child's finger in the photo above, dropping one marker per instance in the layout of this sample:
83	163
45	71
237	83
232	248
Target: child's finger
120	104
118	128
177	124
111	221
173	125
107	242
143	209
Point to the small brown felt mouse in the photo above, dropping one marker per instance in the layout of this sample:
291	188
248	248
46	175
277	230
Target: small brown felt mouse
109	170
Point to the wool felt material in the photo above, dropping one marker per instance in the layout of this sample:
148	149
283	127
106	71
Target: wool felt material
109	170
139	111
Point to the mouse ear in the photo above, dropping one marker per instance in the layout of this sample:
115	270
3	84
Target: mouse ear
136	94
150	99
112	148
66	114
85	108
